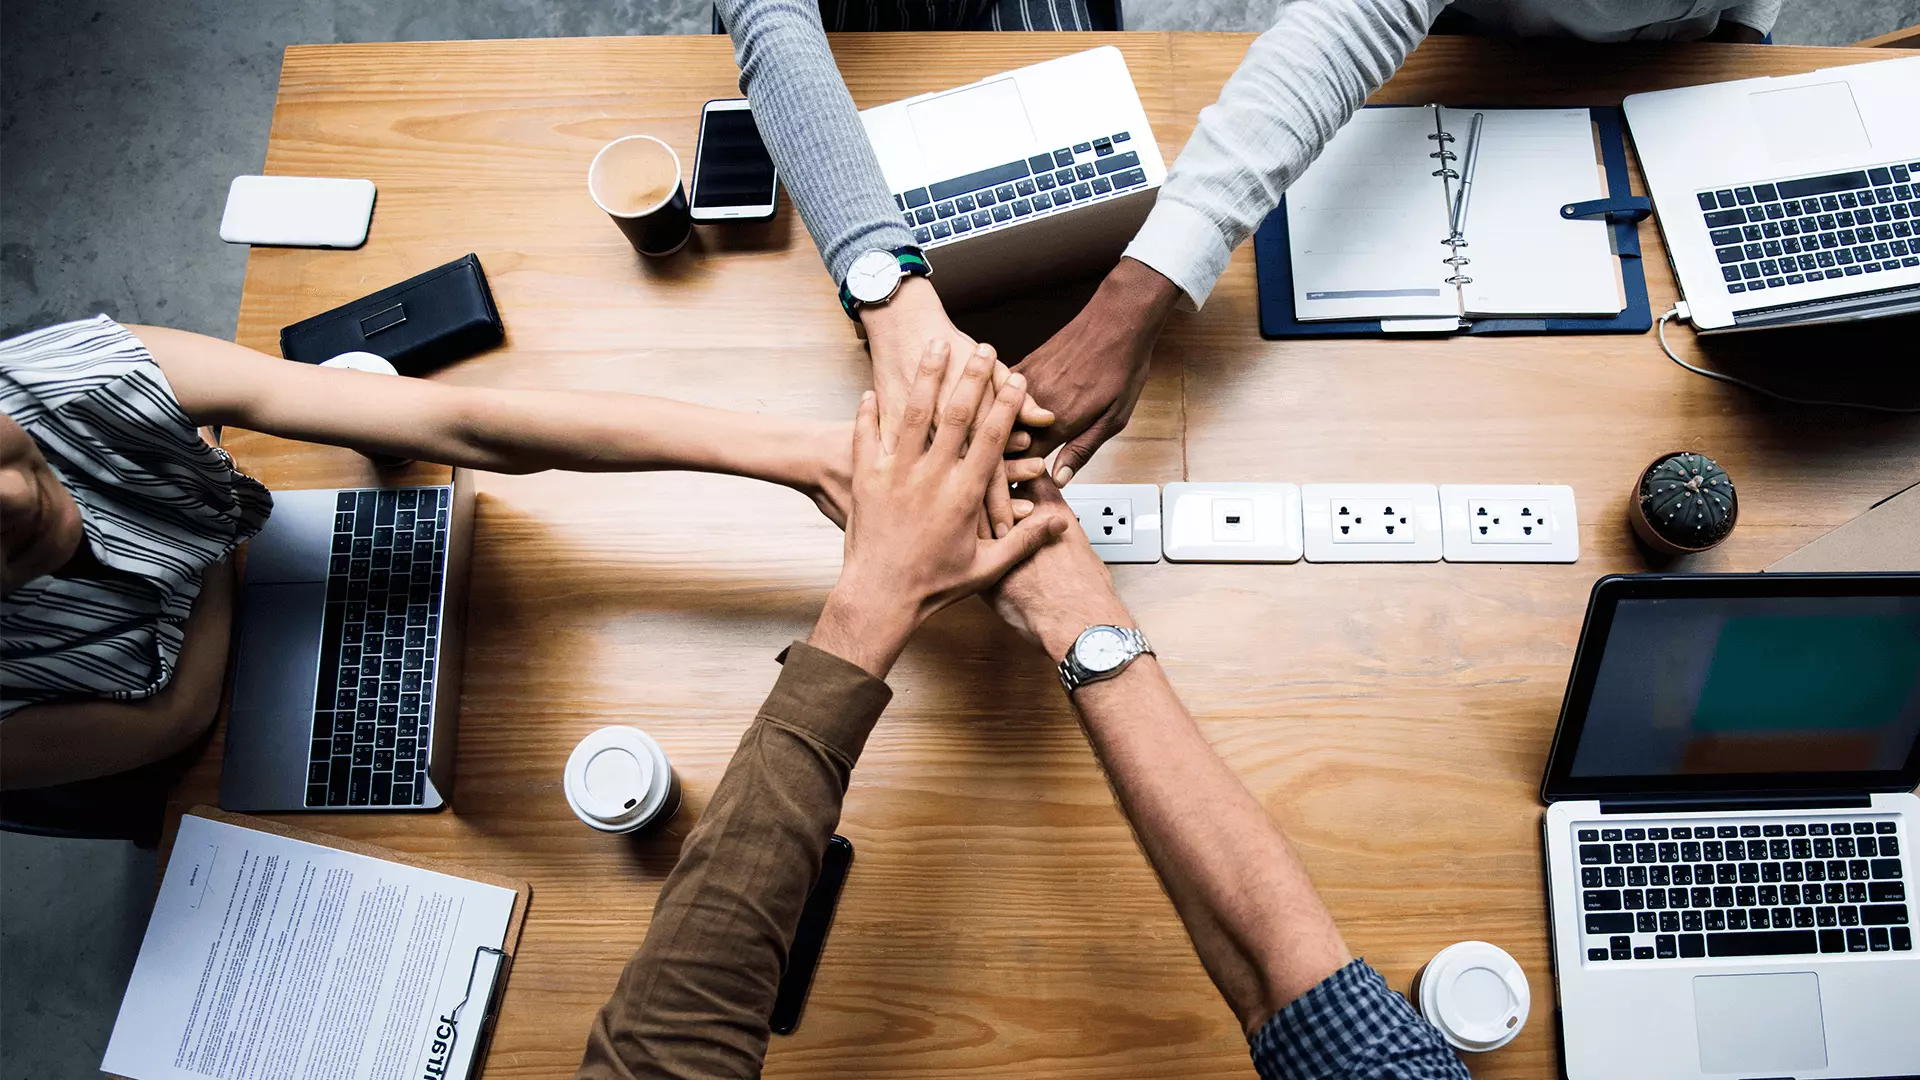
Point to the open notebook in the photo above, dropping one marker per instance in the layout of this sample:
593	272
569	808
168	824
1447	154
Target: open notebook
1368	223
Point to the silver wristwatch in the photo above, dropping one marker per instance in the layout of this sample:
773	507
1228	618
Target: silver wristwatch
1101	652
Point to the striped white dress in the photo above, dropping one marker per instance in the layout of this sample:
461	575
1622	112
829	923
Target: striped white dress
158	505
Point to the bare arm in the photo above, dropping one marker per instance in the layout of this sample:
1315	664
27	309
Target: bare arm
513	431
1256	922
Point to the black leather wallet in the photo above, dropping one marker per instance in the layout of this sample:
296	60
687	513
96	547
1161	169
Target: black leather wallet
423	323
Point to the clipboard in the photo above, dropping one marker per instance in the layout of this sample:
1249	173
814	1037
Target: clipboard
1621	210
487	975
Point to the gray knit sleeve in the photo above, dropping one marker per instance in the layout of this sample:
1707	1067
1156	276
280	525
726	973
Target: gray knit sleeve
810	126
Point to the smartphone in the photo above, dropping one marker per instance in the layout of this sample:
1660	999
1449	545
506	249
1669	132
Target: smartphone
815	919
733	175
297	211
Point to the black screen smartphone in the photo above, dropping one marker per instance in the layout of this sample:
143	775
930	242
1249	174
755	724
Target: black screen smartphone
733	175
815	919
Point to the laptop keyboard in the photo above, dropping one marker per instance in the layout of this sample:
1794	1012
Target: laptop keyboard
1789	232
1041	184
1776	888
374	697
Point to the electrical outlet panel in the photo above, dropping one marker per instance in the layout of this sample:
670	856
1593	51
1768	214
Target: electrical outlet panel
1371	522
1509	523
1122	520
1232	522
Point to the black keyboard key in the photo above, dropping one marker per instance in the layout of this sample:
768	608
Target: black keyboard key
1024	187
982	218
1883	914
1588	836
1102	147
1902	939
1669	922
1045	181
923	235
1643	952
1726	218
1886	892
1725	236
1833	941
1645	851
964	204
1637	877
1856	940
1665	947
1763	943
919	197
985	198
1129	178
1021	207
1600	900
1115	164
1822	185
1597	953
1621	947
1743	196
1101	185
1042	162
1003	212
924	215
1082	148
1622	853
1616	877
382	790
1063	176
1877	939
1889	845
1062	158
1644	923
1062	196
359	786
941	230
1682	832
1707	201
1656	834
1765	192
1880	176
1620	923
1725	196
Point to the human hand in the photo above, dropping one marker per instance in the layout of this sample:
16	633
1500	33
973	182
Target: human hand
912	546
897	336
1091	372
827	476
1064	588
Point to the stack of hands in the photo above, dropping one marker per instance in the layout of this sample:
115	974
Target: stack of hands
927	480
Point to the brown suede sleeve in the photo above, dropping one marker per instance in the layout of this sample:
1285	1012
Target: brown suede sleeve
694	1001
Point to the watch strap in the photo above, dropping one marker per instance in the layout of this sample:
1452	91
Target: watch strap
912	261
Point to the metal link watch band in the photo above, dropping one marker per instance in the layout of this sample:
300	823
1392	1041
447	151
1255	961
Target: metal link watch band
1074	675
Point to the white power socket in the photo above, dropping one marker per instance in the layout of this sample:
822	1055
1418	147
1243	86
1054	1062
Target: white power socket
1232	522
1122	520
1509	523
1371	522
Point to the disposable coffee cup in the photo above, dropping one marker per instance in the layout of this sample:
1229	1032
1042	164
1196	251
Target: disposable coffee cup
375	364
618	780
1475	994
636	180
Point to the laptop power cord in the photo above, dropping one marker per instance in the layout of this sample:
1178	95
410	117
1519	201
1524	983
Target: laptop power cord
1679	311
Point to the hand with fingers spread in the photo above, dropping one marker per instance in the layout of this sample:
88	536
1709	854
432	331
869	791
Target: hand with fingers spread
913	544
1091	372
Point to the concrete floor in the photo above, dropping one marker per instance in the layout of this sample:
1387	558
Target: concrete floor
121	122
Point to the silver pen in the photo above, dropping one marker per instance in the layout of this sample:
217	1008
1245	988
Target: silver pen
1466	172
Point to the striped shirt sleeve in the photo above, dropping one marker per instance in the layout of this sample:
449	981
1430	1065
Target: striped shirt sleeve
158	506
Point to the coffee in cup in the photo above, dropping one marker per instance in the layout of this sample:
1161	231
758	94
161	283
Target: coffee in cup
1475	994
636	180
618	780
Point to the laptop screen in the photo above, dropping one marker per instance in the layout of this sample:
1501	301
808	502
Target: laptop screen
1746	684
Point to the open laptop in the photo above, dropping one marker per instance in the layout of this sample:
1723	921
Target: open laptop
351	633
1788	201
1026	178
1730	828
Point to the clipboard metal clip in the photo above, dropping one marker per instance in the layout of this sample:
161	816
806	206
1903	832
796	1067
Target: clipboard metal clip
490	997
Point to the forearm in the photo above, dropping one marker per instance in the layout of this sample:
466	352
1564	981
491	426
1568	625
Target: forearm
694	1001
812	130
1256	922
1300	81
218	382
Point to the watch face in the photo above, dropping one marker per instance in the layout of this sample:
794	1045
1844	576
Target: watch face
1102	648
873	276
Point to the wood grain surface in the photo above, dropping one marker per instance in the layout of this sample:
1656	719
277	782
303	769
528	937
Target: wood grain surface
999	920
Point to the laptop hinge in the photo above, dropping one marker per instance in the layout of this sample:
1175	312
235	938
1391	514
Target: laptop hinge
1729	804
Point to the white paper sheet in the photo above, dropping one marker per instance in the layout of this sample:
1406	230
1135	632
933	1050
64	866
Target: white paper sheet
1527	259
275	959
1366	220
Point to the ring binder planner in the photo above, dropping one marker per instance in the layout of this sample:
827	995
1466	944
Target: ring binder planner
1549	247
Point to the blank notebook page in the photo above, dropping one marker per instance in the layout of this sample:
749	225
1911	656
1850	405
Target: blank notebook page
1527	259
1365	223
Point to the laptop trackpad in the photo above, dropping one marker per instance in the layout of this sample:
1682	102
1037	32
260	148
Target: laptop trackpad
1759	1024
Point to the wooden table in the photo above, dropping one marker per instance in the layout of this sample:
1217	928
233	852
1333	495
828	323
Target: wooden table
999	919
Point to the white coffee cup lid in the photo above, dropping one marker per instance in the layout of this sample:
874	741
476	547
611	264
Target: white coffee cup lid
1476	995
617	779
362	361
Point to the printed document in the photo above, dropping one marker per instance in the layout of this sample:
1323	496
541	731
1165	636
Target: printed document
269	958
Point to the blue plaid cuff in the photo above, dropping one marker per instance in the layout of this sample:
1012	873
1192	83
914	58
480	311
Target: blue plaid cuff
1352	1026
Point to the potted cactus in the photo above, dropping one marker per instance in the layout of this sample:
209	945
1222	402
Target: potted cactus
1683	503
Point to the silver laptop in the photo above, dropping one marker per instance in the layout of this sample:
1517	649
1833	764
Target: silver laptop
1788	201
1730	828
1025	178
350	630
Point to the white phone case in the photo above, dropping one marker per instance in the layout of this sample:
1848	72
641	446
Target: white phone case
297	211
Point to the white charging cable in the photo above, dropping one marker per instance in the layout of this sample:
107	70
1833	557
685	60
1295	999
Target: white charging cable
1679	310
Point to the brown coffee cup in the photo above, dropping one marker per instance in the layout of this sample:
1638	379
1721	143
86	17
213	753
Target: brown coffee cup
636	180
